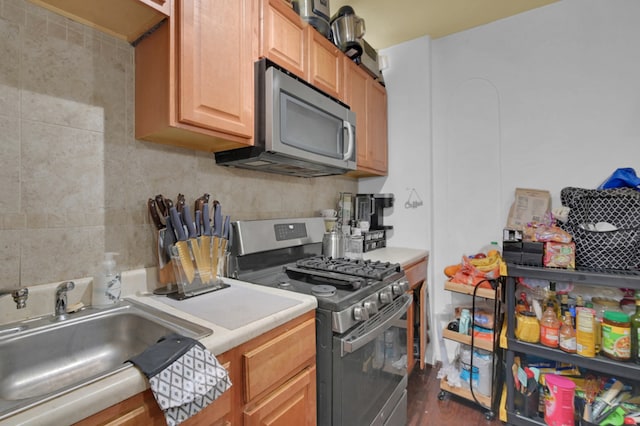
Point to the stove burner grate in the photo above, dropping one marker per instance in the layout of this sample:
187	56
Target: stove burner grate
359	268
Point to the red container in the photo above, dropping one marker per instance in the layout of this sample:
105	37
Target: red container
558	403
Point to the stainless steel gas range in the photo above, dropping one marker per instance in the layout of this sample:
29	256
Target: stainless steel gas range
360	338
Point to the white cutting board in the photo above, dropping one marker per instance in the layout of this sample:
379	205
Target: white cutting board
232	307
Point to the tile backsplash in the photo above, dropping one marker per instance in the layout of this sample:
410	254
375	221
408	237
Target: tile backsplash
73	179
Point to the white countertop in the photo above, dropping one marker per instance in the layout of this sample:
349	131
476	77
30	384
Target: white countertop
90	399
77	405
401	255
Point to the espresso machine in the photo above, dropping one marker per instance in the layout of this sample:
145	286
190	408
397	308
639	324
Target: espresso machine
370	208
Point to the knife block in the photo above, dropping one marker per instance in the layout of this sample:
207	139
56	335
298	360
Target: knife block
196	265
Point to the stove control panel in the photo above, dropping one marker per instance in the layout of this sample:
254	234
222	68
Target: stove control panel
368	307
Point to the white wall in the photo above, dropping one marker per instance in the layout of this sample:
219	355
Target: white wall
545	99
408	83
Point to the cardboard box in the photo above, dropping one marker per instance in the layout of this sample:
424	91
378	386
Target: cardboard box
530	205
560	255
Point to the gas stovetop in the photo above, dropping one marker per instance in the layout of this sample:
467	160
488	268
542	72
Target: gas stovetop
353	267
335	291
287	254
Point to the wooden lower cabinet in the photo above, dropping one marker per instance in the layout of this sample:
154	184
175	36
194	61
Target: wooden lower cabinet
273	380
294	403
416	274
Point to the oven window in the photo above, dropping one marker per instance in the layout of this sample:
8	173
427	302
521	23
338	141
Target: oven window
366	378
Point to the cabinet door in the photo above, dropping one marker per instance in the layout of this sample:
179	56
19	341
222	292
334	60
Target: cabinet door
282	36
294	403
368	99
325	64
142	409
377	156
215	65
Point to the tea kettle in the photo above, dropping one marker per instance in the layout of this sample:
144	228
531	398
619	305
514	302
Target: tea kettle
347	30
333	244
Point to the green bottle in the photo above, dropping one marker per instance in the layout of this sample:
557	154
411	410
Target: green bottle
635	331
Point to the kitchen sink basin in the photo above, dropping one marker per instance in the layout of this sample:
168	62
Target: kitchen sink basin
43	358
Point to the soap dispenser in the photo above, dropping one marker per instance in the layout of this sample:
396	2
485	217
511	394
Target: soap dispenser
106	285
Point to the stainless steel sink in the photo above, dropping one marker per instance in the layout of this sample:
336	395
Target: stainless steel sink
42	358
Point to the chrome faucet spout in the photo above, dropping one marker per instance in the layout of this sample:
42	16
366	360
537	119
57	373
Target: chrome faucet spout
61	299
19	295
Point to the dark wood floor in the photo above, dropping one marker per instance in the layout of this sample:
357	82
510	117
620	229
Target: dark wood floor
426	409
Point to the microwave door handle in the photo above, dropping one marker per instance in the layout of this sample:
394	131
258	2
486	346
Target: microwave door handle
347	125
372	210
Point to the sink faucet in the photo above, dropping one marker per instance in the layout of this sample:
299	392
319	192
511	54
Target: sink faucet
19	295
61	299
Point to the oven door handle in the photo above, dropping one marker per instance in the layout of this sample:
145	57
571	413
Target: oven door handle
376	325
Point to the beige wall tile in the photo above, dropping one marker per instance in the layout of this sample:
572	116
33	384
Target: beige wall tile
73	179
9	165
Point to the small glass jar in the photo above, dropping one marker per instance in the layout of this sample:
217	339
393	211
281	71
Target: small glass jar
616	336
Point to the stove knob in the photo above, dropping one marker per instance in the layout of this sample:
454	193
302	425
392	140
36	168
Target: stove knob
397	289
404	285
371	307
386	296
360	313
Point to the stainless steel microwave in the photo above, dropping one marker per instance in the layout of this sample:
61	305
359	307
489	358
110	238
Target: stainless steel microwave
300	131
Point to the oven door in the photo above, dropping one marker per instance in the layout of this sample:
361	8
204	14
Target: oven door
370	369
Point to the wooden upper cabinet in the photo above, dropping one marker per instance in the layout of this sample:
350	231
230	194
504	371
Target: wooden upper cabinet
194	77
325	64
124	19
215	66
377	127
282	36
368	99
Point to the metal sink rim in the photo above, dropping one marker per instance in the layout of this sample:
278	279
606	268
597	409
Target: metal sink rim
20	329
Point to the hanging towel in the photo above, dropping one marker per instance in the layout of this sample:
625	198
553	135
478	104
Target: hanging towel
183	375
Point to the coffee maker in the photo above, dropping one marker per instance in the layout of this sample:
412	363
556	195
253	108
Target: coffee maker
370	208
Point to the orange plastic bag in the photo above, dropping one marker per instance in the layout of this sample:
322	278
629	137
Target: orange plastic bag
473	275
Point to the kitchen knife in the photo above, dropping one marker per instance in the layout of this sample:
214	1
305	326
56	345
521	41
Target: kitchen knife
188	221
194	245
217	234
205	239
225	237
180	202
153	212
198	223
161	205
217	219
169	236
182	246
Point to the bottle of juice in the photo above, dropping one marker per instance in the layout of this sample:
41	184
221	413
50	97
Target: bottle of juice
635	331
550	327
567	335
552	298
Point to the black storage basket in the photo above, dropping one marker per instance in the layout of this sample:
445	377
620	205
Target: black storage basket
620	207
